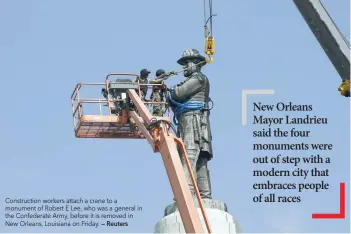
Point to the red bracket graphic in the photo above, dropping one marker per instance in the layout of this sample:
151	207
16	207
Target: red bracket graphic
341	214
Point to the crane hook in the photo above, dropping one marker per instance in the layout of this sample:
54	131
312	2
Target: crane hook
209	46
344	88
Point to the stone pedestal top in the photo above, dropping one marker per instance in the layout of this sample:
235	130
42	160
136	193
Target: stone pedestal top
207	203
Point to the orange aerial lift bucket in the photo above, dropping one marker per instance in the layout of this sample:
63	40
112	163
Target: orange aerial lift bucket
106	124
136	122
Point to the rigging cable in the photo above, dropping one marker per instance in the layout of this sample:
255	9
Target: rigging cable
209	43
210	6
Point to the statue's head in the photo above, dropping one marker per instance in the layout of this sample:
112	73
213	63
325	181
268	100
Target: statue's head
190	60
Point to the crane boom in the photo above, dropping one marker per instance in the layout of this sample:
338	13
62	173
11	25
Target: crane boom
328	35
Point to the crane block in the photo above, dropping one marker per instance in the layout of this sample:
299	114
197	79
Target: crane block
344	88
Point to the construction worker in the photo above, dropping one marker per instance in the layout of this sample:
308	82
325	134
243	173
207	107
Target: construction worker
157	94
143	79
189	101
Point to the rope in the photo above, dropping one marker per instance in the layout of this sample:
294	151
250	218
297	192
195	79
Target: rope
173	73
205	16
209	19
192	177
184	107
156	123
167	75
210	6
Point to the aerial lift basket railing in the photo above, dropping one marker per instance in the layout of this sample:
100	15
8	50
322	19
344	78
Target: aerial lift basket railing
105	124
137	122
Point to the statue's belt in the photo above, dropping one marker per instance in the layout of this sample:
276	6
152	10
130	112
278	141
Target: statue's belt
195	112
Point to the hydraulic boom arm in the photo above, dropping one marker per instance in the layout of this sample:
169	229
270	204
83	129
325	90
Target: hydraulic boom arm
166	143
136	122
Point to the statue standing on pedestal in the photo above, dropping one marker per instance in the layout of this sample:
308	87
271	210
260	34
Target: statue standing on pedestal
190	103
